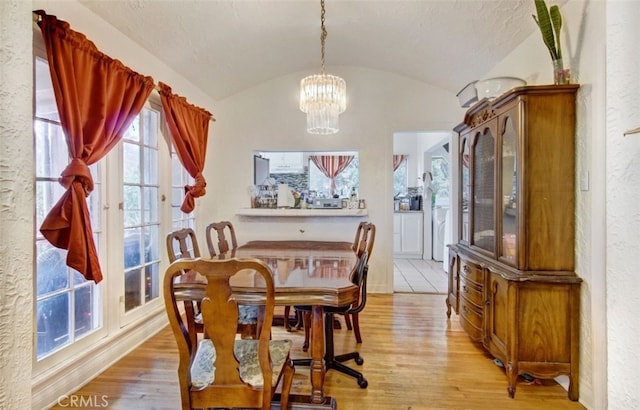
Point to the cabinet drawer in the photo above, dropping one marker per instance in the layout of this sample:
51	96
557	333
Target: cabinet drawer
471	320
472	292
471	272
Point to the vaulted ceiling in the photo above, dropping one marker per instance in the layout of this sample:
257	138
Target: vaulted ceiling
226	46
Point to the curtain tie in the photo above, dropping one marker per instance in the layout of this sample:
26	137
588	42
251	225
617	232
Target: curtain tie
77	170
198	189
193	191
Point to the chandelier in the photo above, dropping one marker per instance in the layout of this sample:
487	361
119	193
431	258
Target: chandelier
323	97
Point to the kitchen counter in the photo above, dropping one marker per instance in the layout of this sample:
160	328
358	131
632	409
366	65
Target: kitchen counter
294	212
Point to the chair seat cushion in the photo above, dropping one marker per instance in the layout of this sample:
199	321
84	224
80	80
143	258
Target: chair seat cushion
247	315
203	369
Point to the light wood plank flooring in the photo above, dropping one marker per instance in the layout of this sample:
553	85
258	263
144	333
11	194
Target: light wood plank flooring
415	359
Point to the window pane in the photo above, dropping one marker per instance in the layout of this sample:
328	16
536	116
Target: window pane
52	323
151	281
132	247
94	201
52	154
52	271
440	183
133	133
151	205
400	179
151	123
151	239
132	205
48	193
84	318
46	102
131	163
132	290
151	166
176	171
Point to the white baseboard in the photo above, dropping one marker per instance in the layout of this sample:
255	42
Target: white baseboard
67	378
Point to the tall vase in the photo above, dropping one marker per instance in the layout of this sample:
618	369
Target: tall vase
561	75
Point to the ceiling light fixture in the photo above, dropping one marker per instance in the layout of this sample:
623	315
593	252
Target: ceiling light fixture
322	96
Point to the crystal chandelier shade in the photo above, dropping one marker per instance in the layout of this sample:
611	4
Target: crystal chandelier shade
323	97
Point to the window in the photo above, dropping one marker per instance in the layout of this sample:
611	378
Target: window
68	307
345	181
141	210
400	179
440	183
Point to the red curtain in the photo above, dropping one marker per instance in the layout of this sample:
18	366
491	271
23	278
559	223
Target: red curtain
397	160
189	129
98	98
331	166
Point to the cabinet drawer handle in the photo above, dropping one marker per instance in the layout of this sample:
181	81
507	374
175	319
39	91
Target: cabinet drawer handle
465	268
465	289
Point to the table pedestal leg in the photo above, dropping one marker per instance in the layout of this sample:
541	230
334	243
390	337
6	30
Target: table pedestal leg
317	355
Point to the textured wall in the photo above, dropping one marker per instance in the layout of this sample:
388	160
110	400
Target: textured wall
16	204
623	197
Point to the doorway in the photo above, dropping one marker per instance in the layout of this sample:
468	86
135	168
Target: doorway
427	174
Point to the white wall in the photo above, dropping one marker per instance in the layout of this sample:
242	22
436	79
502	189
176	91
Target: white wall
267	117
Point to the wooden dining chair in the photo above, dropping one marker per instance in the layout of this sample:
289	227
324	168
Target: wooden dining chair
221	371
250	318
363	242
358	277
184	244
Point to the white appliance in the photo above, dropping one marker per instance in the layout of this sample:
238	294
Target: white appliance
438	226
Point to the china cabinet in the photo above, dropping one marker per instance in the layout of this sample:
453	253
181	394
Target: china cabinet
511	273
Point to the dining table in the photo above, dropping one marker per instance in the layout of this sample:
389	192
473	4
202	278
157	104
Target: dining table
305	272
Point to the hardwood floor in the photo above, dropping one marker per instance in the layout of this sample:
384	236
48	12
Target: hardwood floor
414	357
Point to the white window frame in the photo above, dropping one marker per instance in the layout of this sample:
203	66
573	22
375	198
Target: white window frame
82	343
157	304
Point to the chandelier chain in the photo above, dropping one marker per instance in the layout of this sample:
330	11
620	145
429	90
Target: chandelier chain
323	36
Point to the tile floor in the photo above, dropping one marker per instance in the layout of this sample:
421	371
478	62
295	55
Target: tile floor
419	276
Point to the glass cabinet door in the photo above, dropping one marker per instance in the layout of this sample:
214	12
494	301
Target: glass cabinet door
465	188
483	213
509	188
